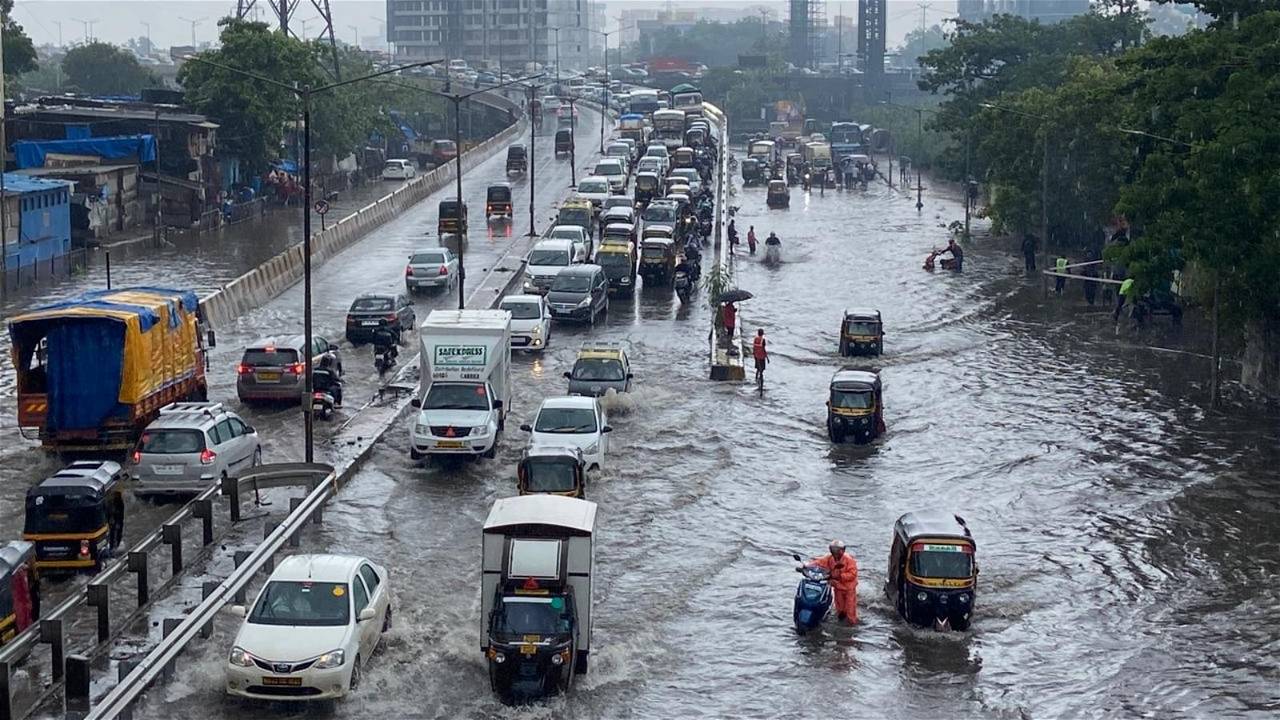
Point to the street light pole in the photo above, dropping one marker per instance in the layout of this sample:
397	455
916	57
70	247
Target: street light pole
462	215
573	142
919	150
533	135
305	93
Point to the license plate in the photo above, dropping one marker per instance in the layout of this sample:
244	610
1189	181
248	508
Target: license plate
520	341
282	681
267	377
449	444
528	649
167	469
368	323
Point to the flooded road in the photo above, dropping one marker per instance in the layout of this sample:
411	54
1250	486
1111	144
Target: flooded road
1127	540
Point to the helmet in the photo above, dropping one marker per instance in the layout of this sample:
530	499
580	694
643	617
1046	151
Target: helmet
836	545
326	362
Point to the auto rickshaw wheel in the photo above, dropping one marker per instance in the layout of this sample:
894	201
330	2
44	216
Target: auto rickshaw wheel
837	436
844	348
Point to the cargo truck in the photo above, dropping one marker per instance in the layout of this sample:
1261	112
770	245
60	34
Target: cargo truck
538	557
94	370
465	388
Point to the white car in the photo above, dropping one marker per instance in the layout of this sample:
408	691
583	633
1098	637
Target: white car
657	150
545	261
621	151
530	321
313	626
398	170
615	171
595	189
573	422
577	235
694	180
653	164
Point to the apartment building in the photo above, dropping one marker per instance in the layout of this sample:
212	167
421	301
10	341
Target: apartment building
489	32
1046	11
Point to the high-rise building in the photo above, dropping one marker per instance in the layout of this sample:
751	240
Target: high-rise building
1046	11
489	32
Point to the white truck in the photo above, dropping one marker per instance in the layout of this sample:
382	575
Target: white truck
537	560
465	390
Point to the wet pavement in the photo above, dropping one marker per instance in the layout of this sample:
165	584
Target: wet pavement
1127	538
375	264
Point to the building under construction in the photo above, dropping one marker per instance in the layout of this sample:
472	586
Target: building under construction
807	27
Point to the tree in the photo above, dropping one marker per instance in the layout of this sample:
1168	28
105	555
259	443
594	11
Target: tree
920	42
19	52
100	68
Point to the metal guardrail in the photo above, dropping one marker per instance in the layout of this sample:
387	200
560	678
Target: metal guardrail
324	483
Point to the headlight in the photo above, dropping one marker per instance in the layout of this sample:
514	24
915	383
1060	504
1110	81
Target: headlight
557	659
480	431
964	598
499	658
922	596
331	659
421	429
537	330
240	657
584	302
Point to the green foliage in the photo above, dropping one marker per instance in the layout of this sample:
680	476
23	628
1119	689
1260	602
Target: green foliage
918	43
1226	9
19	52
717	279
100	68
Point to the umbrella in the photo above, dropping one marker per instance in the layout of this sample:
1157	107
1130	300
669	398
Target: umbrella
734	295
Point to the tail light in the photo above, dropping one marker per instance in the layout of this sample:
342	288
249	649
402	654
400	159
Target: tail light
444	270
84	548
408	271
297	368
243	369
207	456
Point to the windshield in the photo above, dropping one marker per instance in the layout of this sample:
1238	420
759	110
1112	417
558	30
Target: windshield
523	310
660	213
290	602
456	397
941	561
566	420
608	169
575	216
613	261
499	194
593	186
571	283
270	358
63	513
532	616
171	442
373	304
427	259
654	252
646	183
855	399
690	175
549	257
393	166
859	327
550	475
598	369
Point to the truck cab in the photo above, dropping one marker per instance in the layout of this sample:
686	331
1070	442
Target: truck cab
466	383
536	595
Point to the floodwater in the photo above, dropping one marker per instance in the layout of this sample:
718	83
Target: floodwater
1128	539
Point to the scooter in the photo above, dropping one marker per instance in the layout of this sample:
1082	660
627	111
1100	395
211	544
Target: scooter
683	286
384	356
772	252
322	404
813	597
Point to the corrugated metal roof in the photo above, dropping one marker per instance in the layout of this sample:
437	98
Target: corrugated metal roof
16	184
113	113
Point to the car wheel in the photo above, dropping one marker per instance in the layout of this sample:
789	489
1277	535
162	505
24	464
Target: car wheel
257	457
355	675
414	454
386	620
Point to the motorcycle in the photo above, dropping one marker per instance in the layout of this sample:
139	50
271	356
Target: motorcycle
384	357
322	404
773	251
813	597
683	285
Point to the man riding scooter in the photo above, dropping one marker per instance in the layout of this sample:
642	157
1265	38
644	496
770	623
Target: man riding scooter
385	351
325	382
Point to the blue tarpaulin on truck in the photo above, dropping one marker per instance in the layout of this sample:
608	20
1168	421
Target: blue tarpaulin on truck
31	153
83	387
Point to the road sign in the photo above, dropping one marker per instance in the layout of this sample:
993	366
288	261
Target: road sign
322	207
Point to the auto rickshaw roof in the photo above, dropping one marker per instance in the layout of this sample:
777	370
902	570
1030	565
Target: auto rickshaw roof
861	314
78	477
658	241
776	183
554	451
621	227
647	174
684	88
855	377
15	553
576	202
602	350
932	523
578	516
518	149
752	161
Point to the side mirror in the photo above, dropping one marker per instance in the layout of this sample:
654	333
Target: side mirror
248	429
239	610
211	339
366	614
568	376
797	557
526	427
416	403
497	404
630	375
607	428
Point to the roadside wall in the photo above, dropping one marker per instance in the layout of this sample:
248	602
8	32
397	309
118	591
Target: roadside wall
256	287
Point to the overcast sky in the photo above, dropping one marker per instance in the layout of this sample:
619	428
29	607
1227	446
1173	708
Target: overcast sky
171	20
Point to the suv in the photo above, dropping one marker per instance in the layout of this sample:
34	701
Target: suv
272	368
372	311
579	292
546	260
191	445
615	171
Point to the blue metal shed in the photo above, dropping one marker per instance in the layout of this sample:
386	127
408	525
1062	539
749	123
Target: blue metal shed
37	220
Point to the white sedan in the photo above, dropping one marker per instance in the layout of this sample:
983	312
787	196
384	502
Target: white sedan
315	623
572	422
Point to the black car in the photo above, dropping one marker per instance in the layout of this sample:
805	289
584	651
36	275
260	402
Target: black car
370	312
579	292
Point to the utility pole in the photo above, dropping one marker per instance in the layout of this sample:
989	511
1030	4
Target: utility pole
924	10
88	28
968	182
533	136
194	22
159	235
919	150
1044	206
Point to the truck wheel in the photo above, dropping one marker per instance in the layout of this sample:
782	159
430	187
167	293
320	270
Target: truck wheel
580	665
414	454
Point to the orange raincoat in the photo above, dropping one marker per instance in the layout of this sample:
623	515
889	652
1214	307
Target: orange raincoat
844	583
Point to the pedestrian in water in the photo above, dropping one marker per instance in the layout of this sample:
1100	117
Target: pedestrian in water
760	351
1060	282
733	237
730	319
1029	251
1122	297
1090	287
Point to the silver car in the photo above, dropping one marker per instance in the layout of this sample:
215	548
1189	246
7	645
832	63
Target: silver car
431	269
191	445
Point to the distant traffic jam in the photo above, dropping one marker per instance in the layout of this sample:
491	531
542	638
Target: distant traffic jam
642	218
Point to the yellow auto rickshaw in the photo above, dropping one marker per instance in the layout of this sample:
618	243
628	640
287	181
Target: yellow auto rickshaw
855	406
683	157
933	570
452	218
552	470
70	516
861	332
657	259
779	195
497	201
